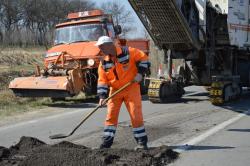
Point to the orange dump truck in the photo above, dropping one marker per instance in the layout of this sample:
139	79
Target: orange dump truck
70	66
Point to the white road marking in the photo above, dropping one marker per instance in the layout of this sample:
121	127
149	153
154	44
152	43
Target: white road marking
44	118
193	141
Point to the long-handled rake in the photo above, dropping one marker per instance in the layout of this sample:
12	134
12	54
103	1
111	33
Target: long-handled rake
59	136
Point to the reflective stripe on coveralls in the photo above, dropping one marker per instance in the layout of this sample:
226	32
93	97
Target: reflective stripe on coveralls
109	133
140	135
108	66
102	90
144	64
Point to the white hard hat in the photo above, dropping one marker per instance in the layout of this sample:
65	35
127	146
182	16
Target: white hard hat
103	39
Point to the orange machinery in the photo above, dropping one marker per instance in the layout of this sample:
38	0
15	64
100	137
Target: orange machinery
70	66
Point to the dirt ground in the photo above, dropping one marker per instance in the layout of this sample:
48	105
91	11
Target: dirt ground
31	151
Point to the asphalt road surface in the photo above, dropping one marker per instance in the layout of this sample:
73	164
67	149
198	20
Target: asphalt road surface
194	127
229	147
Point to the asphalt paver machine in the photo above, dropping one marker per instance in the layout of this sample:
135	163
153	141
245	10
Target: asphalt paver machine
212	37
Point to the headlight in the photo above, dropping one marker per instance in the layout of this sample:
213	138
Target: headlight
91	62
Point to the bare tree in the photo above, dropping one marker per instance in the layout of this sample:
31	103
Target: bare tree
10	15
120	14
32	21
79	5
1	25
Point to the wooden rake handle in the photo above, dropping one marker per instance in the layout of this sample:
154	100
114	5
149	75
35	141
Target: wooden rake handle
104	102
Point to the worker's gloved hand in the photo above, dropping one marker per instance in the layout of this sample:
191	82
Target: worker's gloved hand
101	102
138	77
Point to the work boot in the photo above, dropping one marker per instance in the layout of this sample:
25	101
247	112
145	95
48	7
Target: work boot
102	146
141	146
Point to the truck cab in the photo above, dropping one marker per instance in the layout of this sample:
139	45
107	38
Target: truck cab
78	35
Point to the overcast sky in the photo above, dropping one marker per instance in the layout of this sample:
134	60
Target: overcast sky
139	32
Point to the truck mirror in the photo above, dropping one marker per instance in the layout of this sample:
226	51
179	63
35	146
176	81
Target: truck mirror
118	29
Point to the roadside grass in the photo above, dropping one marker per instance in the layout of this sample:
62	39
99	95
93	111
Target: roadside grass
14	59
11	105
17	62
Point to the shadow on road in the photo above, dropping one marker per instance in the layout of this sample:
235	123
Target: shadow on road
241	105
188	92
199	147
183	100
239	130
74	103
80	103
186	100
198	94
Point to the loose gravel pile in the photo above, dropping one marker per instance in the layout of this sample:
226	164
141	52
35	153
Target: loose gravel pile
33	152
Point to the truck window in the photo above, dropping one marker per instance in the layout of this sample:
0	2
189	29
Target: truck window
111	30
79	33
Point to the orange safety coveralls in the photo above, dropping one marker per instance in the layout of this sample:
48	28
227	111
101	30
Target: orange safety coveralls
115	74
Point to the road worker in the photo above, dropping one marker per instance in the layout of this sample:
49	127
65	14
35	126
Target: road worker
119	66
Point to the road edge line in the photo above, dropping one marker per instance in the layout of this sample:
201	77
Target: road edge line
57	115
185	145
